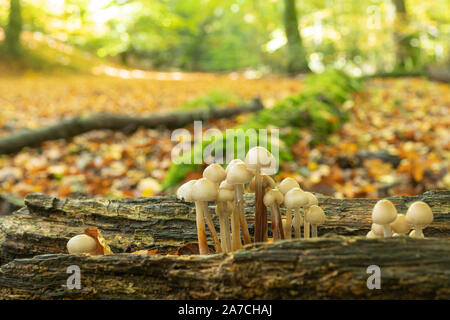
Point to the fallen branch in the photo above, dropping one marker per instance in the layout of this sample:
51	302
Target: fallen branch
72	127
292	269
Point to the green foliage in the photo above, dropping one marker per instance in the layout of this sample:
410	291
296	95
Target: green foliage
317	107
212	99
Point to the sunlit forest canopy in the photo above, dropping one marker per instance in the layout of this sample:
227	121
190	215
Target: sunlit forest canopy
359	36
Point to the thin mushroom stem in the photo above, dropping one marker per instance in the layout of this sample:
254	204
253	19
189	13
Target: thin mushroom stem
201	232
260	209
224	233
288	226
387	230
275	229
235	224
227	228
306	225
279	221
243	221
211	227
419	232
297	224
314	230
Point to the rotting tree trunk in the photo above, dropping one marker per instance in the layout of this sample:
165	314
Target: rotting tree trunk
165	223
293	269
334	266
72	127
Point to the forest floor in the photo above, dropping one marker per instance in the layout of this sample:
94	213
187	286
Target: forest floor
402	124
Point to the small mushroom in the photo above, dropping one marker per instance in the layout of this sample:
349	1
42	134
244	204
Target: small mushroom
315	216
312	200
238	175
286	185
295	199
419	215
372	235
82	243
413	234
184	192
400	226
204	190
215	173
384	213
272	199
224	196
377	229
260	162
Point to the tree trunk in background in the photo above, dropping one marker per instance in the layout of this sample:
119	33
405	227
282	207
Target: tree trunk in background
296	53
404	50
13	29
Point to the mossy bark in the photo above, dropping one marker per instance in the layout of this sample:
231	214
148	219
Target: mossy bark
333	266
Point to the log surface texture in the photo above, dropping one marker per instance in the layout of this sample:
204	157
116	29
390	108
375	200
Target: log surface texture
34	257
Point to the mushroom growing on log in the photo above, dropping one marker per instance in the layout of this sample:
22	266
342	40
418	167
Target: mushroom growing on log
260	162
327	268
165	223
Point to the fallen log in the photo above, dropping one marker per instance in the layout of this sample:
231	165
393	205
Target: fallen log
81	124
165	223
439	73
293	269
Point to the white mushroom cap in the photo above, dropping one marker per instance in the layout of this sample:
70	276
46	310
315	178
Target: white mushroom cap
384	212
378	229
225	195
419	214
315	215
232	163
259	157
225	185
215	173
184	192
412	234
288	184
273	196
238	174
81	243
372	235
267	182
400	225
204	190
295	198
312	200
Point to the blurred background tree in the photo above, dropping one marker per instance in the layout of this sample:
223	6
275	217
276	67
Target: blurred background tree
361	37
13	30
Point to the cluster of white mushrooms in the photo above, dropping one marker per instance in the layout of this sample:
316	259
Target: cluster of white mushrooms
387	223
226	188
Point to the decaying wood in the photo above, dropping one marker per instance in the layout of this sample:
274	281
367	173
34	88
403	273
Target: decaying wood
78	125
164	223
292	269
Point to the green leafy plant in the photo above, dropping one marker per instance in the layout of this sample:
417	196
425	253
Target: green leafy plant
316	107
214	98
